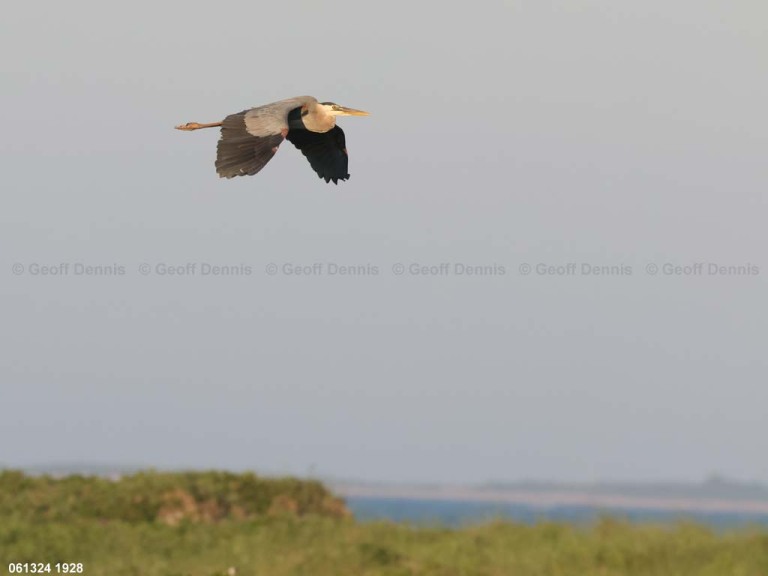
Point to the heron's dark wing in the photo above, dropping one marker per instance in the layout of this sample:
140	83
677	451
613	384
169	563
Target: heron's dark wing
250	138
326	152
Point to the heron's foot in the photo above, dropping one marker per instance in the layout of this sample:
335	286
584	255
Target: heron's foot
189	126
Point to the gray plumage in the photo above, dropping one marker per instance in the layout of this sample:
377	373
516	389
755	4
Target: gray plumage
249	139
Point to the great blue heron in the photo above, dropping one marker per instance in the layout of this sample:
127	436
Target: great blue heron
250	138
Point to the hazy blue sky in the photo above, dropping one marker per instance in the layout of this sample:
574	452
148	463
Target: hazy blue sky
510	135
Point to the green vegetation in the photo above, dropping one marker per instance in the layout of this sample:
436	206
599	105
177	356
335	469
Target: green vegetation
168	498
203	524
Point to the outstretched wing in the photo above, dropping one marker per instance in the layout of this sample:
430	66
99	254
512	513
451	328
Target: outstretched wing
240	153
326	152
249	139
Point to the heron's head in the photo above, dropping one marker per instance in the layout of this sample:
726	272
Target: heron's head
336	110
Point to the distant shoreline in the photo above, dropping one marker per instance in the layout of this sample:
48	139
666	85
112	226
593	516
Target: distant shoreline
715	495
550	498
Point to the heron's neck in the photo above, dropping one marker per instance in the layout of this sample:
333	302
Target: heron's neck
317	119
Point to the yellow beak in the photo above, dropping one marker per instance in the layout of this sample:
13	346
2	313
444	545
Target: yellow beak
352	112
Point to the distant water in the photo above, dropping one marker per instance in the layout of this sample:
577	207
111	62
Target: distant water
457	513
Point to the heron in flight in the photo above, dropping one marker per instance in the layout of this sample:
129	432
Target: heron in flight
250	138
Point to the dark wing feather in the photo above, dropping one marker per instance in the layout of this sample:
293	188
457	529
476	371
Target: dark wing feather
240	153
326	151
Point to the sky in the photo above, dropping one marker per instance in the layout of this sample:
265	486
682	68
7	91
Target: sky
599	167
